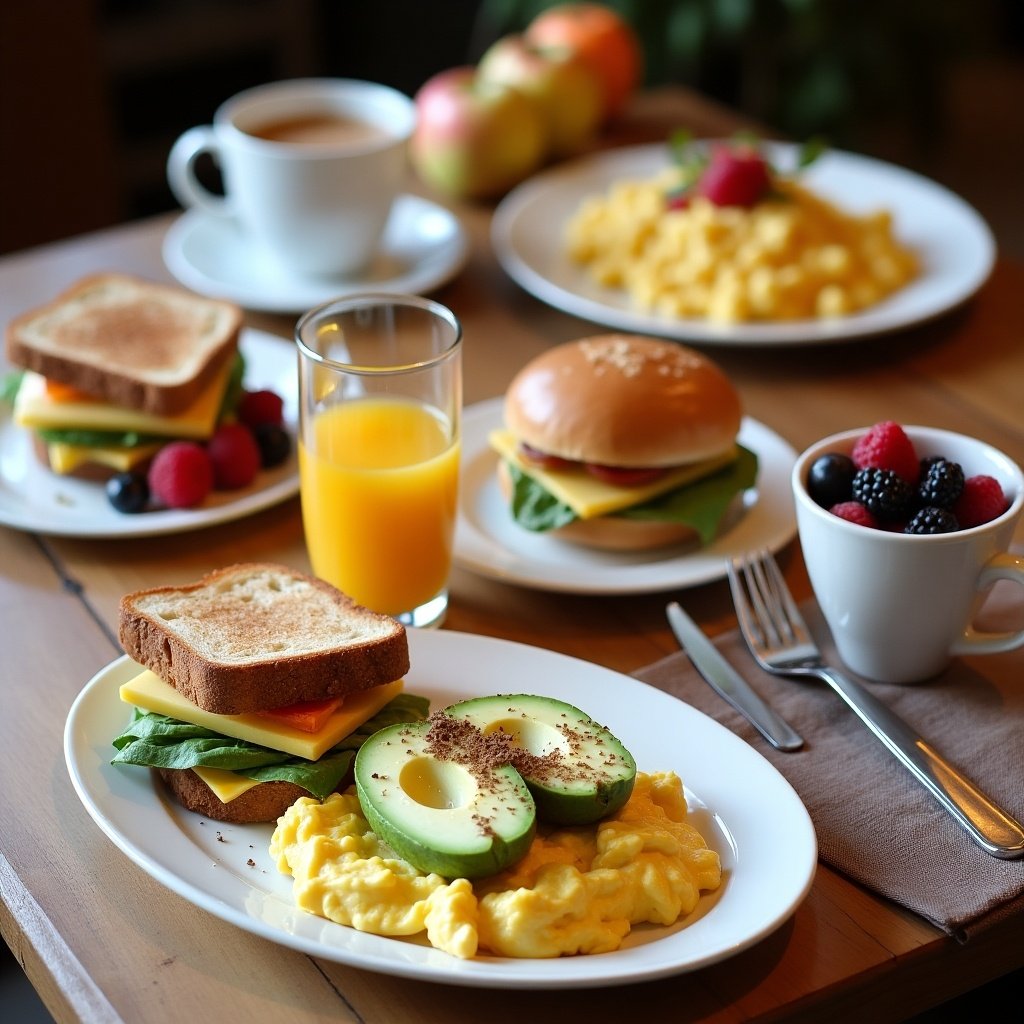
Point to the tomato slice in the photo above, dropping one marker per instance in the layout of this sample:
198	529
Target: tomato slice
543	459
66	393
621	476
306	715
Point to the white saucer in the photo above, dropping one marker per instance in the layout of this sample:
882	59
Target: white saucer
424	246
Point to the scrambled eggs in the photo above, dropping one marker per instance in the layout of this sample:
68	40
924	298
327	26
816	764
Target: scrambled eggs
790	257
578	890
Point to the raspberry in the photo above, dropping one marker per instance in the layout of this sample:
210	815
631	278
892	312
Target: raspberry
942	482
256	407
181	475
886	446
886	494
735	176
235	456
854	512
932	520
981	502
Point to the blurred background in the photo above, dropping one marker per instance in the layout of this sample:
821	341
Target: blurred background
93	92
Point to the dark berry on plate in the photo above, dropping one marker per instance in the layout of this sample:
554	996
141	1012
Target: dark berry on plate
982	501
256	407
234	455
854	512
128	492
181	475
932	520
886	446
884	492
274	443
830	479
942	482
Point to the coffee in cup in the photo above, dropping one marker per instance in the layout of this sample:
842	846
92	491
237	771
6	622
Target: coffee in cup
311	169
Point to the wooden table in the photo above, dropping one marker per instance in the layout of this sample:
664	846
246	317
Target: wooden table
102	941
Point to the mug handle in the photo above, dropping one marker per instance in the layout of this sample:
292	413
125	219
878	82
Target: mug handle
181	174
1001	567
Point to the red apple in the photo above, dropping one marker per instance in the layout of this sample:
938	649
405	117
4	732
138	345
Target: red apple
602	38
474	139
568	94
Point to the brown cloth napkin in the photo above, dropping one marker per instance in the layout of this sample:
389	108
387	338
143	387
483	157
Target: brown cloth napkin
874	821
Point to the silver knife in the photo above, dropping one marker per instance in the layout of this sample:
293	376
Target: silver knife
728	683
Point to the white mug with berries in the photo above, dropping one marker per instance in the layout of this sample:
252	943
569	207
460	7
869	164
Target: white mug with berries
904	531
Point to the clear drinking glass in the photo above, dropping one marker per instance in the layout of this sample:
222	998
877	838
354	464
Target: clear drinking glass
380	396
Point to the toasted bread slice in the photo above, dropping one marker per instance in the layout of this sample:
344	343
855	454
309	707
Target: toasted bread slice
265	802
254	636
128	341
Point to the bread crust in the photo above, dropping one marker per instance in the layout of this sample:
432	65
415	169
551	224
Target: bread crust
257	635
624	400
266	801
128	341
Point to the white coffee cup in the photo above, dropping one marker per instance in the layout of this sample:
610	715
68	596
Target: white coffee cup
311	168
900	606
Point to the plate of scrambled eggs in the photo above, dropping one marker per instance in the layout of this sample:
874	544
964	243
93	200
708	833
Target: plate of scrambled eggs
725	845
855	247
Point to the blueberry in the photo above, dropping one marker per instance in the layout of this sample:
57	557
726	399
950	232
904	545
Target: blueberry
273	442
830	479
128	492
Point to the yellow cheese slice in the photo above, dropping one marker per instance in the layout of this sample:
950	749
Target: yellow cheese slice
226	786
36	409
149	692
66	458
589	497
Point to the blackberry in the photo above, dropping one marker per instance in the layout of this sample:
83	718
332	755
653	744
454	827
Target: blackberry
884	493
274	443
932	520
942	483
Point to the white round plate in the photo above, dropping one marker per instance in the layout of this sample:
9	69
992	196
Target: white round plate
955	245
488	542
34	499
745	809
423	246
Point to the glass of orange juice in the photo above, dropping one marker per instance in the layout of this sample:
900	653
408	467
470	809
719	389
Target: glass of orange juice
380	400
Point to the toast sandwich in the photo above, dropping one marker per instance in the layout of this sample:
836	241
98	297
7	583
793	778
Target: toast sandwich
256	685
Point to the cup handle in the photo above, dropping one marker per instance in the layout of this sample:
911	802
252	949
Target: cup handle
1000	567
181	174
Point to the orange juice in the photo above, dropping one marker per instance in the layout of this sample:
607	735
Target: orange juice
379	487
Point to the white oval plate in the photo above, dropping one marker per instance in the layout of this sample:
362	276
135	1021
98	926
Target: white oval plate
955	245
489	543
423	246
742	805
34	499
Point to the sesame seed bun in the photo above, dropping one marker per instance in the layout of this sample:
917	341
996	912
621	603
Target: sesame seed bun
624	400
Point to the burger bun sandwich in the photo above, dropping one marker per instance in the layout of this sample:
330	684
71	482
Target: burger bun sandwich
622	442
256	686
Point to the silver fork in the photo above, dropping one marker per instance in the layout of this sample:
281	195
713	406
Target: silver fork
780	642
